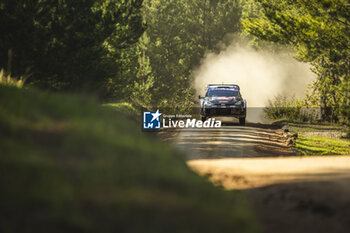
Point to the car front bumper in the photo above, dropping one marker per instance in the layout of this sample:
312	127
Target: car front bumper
224	110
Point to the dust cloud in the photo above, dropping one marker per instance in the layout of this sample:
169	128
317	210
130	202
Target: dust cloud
261	75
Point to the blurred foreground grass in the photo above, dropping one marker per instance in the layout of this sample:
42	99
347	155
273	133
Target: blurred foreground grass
69	165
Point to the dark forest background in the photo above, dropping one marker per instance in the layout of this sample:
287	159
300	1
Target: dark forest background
144	52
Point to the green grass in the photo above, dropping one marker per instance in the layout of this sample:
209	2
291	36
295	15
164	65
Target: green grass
321	145
319	139
124	107
68	164
325	127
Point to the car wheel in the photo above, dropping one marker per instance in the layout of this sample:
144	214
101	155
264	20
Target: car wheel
242	121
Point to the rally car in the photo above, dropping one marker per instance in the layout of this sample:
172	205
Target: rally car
223	100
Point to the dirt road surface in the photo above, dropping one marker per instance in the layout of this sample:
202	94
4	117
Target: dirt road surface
289	193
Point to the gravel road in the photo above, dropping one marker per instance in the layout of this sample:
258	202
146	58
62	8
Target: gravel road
289	193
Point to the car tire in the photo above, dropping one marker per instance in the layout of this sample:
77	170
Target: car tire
242	121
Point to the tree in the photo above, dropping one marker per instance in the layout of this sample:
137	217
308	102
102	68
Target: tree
319	32
65	44
181	32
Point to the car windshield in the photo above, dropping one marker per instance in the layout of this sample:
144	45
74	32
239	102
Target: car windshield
222	93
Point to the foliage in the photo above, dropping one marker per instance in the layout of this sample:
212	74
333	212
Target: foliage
64	44
6	79
69	165
141	92
180	32
101	47
125	108
292	110
319	32
157	71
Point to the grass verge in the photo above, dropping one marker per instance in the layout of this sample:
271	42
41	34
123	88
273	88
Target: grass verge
321	139
322	145
69	165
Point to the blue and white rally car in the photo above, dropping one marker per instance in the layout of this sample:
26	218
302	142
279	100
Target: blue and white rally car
223	100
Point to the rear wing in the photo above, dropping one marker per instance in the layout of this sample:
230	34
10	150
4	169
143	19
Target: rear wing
235	86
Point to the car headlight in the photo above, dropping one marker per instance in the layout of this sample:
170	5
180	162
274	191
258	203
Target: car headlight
207	102
238	103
